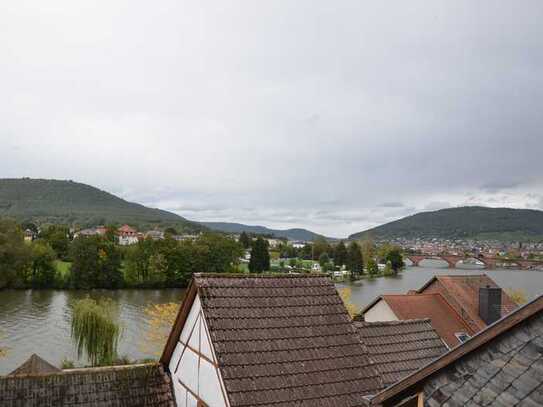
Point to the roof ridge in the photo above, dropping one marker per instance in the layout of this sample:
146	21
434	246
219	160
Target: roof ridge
389	323
85	370
260	275
409	295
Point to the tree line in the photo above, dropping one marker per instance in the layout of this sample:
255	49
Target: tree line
358	257
98	262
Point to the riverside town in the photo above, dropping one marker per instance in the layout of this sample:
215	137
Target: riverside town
271	203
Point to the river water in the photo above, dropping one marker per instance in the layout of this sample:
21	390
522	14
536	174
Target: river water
38	321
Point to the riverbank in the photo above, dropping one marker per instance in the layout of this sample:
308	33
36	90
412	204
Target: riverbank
38	321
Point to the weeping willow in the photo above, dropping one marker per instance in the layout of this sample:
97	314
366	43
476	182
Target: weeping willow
95	330
3	352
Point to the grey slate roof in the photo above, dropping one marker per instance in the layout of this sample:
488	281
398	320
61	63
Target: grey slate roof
398	348
508	372
501	366
285	341
136	385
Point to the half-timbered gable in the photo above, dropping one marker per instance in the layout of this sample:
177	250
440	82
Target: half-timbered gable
271	340
193	366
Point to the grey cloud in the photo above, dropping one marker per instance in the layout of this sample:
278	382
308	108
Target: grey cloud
391	205
285	108
500	185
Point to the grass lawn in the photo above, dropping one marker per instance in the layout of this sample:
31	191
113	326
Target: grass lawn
63	267
243	267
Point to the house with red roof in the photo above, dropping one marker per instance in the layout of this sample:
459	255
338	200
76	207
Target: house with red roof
446	321
458	306
463	293
127	235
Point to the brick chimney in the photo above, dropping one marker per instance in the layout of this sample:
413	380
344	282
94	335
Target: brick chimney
490	304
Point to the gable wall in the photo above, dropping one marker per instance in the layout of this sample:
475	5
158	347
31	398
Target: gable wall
193	365
380	312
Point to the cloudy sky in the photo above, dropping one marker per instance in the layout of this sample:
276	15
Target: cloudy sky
330	115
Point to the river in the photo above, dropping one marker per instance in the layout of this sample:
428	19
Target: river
38	321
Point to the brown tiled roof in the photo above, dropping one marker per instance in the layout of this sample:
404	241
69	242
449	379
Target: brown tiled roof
33	365
444	318
134	385
462	292
285	341
400	347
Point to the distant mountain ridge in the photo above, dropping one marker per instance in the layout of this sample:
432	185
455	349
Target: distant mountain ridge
68	202
292	234
475	222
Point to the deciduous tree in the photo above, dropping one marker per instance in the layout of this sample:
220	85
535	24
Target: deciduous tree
15	255
95	330
340	254
260	256
355	261
161	318
43	271
245	240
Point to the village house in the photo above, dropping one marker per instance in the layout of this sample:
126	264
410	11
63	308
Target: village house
446	321
127	235
500	366
97	231
246	340
154	235
458	306
271	340
297	244
29	235
274	243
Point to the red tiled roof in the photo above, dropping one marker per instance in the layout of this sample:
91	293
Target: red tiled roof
462	292
444	318
126	229
284	341
399	348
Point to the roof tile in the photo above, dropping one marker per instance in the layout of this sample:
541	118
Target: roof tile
285	341
399	348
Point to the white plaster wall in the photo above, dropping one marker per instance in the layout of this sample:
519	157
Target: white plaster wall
195	372
380	312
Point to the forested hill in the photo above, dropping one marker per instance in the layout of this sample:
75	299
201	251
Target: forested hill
292	234
465	222
67	202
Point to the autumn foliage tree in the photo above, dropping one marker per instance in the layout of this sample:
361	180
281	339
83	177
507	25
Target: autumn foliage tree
161	318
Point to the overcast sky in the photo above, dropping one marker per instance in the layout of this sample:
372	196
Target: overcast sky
331	115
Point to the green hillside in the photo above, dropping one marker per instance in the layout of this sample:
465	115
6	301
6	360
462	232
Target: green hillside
466	222
292	234
67	202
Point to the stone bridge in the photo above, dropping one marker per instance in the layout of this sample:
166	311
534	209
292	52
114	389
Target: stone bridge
488	262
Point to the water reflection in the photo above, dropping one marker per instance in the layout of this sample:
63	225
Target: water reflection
412	278
38	321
